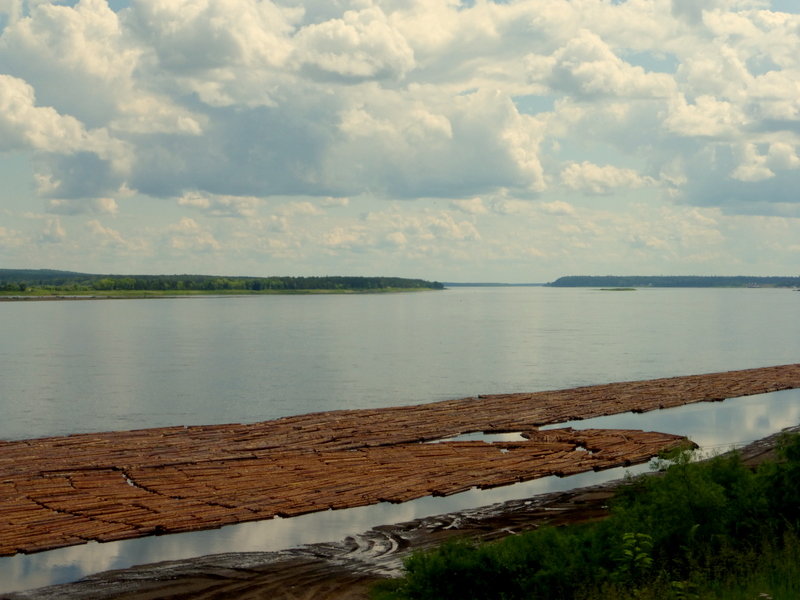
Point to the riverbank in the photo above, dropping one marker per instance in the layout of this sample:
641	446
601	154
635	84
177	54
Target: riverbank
164	476
153	294
344	570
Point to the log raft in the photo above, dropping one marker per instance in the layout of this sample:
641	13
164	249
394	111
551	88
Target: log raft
63	491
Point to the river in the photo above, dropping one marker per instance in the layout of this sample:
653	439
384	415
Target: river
81	366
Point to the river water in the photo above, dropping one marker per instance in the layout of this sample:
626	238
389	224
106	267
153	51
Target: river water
69	367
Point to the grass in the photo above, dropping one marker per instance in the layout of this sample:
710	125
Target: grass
699	530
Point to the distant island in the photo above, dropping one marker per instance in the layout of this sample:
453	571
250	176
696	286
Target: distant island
48	282
691	281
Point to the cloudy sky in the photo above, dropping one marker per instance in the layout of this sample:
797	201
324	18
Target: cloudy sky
452	140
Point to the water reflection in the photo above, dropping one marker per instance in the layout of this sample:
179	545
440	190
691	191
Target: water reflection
714	426
105	366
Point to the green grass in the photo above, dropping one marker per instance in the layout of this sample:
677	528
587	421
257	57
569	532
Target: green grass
713	529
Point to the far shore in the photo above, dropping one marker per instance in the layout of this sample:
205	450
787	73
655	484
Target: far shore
158	294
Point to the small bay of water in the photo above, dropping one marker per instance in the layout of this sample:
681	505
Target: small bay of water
69	367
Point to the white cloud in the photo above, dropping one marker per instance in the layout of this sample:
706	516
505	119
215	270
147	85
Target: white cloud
347	238
53	232
445	226
292	118
753	167
783	155
299	208
12	9
203	35
111	238
474	142
473	206
359	45
25	126
511	206
600	180
706	117
66	51
557	207
220	205
397	238
9	238
102	206
587	67
187	234
331	201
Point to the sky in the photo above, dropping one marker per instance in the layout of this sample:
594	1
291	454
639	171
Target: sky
513	141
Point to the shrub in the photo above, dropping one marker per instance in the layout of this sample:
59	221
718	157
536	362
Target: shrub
694	523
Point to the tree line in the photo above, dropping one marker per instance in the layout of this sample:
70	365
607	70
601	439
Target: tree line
673	281
12	280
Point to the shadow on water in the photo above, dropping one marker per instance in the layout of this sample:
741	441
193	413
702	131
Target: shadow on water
713	426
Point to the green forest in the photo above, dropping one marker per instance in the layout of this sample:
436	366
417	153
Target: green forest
45	281
692	281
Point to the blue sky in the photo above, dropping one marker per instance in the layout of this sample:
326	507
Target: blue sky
459	141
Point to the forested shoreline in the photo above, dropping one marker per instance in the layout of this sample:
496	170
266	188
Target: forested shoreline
674	281
52	281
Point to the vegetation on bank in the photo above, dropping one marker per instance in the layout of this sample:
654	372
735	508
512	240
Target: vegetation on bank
699	530
49	282
628	281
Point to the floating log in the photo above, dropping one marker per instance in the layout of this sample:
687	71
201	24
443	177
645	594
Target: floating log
68	490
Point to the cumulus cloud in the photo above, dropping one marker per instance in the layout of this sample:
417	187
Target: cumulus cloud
187	36
10	238
53	232
477	141
557	207
359	45
66	51
102	206
397	238
188	234
473	206
220	205
351	238
25	126
112	238
706	117
330	201
511	206
587	67
299	208
279	115
600	180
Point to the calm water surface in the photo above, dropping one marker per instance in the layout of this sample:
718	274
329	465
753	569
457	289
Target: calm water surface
68	367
